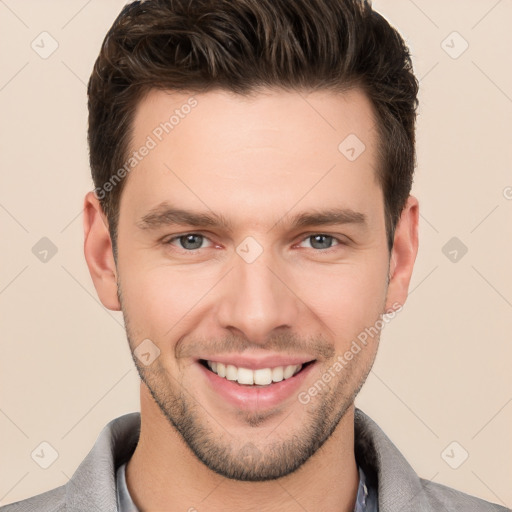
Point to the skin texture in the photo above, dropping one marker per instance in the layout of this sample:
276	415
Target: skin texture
255	161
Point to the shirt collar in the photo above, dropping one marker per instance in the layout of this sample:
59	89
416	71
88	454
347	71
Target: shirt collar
93	485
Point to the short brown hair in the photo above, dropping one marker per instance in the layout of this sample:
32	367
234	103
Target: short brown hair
240	46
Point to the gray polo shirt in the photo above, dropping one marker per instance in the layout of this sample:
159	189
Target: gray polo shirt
93	485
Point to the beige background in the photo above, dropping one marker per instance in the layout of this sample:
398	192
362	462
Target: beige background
443	370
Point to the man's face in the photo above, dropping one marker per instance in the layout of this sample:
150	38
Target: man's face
259	292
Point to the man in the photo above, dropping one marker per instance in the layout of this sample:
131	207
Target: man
252	219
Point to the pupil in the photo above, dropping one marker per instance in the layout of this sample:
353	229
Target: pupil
326	238
189	238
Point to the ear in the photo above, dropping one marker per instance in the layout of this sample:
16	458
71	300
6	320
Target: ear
403	255
98	252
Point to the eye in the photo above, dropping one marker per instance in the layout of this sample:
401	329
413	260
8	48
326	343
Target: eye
321	241
188	242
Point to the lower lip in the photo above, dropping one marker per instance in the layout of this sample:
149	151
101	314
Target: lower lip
255	397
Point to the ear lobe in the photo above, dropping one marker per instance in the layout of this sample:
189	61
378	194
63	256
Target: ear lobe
98	253
403	254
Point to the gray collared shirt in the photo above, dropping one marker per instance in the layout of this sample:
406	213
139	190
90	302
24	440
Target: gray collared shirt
93	485
366	500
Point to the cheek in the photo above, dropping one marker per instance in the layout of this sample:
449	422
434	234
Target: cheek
347	298
157	299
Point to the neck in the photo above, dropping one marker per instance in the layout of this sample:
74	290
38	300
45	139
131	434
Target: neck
163	474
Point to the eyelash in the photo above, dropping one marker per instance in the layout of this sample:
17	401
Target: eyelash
193	251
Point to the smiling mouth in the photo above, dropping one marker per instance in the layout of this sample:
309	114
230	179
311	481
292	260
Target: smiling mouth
261	377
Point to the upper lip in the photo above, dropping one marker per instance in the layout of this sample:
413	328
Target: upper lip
255	363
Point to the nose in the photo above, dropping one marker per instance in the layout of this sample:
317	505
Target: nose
258	298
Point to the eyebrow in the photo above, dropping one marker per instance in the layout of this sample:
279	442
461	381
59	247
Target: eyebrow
165	215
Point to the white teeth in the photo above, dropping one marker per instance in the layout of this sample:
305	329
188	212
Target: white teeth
260	377
263	377
231	372
278	374
245	376
289	371
221	370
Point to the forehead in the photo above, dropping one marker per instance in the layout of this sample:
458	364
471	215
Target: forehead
274	115
274	149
